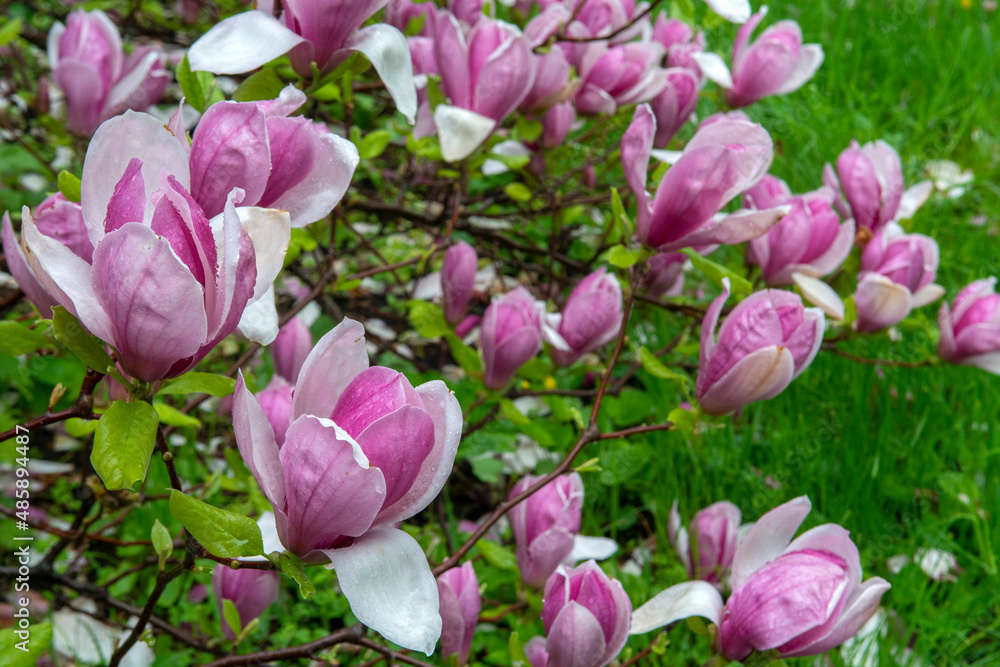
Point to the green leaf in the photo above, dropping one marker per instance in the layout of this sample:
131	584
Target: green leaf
81	428
17	652
426	147
292	568
656	368
466	357
199	88
683	420
373	144
622	221
512	162
262	85
10	31
620	256
515	648
69	185
123	444
427	319
518	191
225	534
231	614
498	556
487	468
199	383
435	95
162	544
716	272
528	130
16	339
70	333
171	416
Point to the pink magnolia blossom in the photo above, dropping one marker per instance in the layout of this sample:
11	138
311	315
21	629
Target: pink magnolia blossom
290	349
799	597
320	32
708	546
727	155
586	616
871	177
510	335
665	274
618	75
364	451
591	317
776	63
458	278
98	79
680	41
767	341
147	233
675	104
458	590
970	328
250	591
897	275
809	240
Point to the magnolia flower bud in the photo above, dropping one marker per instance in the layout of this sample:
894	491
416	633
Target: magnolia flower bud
458	590
510	334
290	348
586	616
707	550
458	277
765	343
591	317
545	525
970	329
665	274
897	275
624	74
251	591
534	649
675	104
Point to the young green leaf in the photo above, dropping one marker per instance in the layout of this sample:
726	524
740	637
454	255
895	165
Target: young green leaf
262	85
69	185
498	556
18	652
231	614
15	339
123	444
292	568
373	144
225	534
427	319
716	272
199	383
171	416
162	544
71	333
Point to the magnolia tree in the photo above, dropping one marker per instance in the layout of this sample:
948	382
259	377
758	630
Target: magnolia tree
364	315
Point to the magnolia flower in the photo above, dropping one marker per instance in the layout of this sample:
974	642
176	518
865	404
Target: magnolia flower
800	597
675	104
279	161
485	76
546	527
586	617
510	335
164	284
458	590
970	328
290	349
897	275
680	41
727	155
250	591
98	79
715	531
767	341
809	240
871	177
591	317
619	75
324	32
776	63
364	451
458	277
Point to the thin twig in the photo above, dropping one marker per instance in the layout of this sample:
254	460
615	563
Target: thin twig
352	635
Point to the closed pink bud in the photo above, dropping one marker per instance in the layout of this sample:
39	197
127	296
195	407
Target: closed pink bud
675	104
290	349
399	14
90	67
623	74
510	335
871	177
465	327
458	277
556	124
469	11
586	616
897	275
776	63
970	329
680	41
771	191
665	274
251	592
800	597
551	81
545	525
809	240
591	318
458	592
708	547
766	342
535	651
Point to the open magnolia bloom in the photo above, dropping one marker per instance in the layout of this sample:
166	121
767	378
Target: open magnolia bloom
164	283
776	63
324	32
767	341
800	597
364	451
727	155
970	329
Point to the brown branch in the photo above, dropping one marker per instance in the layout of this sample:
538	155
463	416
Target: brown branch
639	656
646	428
389	653
353	634
612	35
878	362
83	408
